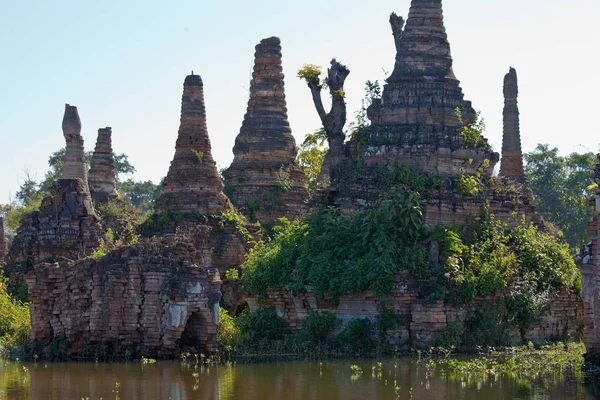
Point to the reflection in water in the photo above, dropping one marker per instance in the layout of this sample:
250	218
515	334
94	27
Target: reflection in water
401	379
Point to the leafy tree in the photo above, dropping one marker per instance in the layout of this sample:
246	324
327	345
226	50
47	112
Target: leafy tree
334	120
311	157
141	194
560	186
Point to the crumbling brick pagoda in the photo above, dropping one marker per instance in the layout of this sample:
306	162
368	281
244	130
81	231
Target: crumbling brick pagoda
193	183
102	177
419	119
264	180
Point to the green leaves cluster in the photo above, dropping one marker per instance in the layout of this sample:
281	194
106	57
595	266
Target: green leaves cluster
15	323
486	257
310	73
311	156
562	186
472	133
333	254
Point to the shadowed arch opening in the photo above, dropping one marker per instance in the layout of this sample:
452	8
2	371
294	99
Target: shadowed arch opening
197	334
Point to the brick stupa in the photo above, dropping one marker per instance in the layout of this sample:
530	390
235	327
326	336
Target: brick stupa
264	180
74	165
512	156
416	122
193	183
102	177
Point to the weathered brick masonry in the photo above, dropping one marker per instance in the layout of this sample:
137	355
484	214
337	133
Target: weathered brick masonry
149	298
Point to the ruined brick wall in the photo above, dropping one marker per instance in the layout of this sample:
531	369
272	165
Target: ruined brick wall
65	226
423	319
146	297
589	265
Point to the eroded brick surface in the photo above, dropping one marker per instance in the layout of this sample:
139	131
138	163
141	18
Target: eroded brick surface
264	180
146	298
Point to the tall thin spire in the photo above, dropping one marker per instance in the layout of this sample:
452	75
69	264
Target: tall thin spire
74	166
511	165
423	48
193	183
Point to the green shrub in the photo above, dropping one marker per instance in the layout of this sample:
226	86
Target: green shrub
357	338
317	327
335	254
451	336
228	336
261	330
15	323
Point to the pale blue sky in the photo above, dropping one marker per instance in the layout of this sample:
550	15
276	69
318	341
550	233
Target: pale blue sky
123	64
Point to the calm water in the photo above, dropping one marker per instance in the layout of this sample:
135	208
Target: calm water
290	381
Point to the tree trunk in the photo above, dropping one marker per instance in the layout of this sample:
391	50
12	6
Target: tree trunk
335	120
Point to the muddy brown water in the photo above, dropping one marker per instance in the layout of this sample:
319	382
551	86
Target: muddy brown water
396	379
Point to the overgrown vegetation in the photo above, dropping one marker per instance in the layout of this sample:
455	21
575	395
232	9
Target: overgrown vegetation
523	363
31	191
333	253
311	156
15	322
562	186
262	333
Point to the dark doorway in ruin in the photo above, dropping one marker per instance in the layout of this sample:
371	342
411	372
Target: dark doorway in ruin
195	334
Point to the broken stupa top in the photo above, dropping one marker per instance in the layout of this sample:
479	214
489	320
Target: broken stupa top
74	163
423	49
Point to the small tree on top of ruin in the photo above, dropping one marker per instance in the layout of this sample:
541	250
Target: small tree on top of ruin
334	120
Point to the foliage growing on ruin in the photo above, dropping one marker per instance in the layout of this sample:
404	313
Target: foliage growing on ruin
372	92
334	254
260	329
15	323
384	177
284	180
120	221
262	334
228	336
472	133
472	184
561	187
486	257
310	73
468	185
199	155
311	157
237	220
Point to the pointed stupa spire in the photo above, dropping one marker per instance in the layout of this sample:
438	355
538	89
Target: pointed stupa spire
423	48
511	165
265	150
193	183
